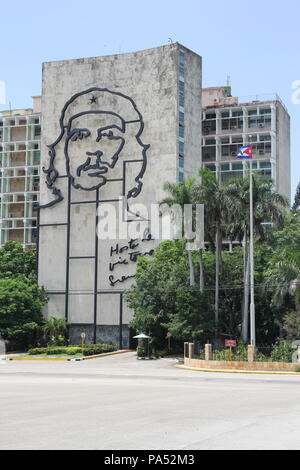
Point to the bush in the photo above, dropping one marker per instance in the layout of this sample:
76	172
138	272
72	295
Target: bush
56	331
68	351
87	350
21	302
140	350
282	352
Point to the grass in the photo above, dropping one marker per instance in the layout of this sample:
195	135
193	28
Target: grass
43	356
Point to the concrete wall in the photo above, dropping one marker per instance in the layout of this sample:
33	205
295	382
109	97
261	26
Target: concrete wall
192	113
150	79
283	152
235	365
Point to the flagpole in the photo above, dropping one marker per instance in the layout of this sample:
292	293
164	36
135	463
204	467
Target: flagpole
252	303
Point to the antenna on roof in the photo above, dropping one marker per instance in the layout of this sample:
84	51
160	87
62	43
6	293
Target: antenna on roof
228	82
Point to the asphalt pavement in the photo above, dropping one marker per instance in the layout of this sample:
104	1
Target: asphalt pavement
120	403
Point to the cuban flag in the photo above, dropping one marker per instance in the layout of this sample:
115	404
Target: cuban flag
246	152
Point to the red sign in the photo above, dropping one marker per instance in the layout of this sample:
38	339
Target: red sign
230	343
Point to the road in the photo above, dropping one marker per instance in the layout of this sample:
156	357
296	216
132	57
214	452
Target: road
118	403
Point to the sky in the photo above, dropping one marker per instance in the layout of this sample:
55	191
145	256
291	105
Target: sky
256	43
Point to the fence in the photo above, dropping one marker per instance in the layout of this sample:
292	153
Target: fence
279	357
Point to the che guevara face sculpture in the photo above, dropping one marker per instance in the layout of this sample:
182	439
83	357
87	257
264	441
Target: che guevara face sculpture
97	126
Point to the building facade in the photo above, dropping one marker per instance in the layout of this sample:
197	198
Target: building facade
113	127
229	123
119	127
20	134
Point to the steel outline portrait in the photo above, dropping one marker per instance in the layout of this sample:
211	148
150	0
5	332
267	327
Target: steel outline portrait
101	167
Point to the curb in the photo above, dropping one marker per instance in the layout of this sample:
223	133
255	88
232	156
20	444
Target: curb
77	359
235	371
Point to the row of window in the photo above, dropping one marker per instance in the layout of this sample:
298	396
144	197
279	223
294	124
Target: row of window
239	113
238	139
230	166
234	124
181	99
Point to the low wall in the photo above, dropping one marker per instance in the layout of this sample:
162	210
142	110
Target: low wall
231	365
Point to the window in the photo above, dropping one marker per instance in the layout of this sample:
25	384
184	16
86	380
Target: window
225	166
181	148
37	131
210	115
237	139
181	94
180	177
208	127
36	156
232	124
181	162
266	173
209	153
181	118
181	63
260	121
181	132
265	138
252	112
225	140
225	151
265	165
237	166
237	113
225	114
210	141
265	111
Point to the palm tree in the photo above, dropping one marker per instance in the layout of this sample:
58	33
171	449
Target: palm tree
210	192
56	329
182	193
296	204
285	277
268	209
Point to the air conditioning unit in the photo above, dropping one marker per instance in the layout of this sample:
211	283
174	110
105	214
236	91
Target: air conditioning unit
261	125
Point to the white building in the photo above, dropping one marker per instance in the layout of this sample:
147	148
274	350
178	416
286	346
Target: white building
231	122
20	134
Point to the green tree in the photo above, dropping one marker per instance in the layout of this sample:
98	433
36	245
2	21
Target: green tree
210	193
268	209
56	330
14	260
296	204
21	301
163	300
182	194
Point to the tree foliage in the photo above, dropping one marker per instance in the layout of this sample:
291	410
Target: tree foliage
162	299
21	299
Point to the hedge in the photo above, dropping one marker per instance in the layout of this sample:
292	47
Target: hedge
87	350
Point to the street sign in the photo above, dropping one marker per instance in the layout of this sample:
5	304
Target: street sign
230	343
